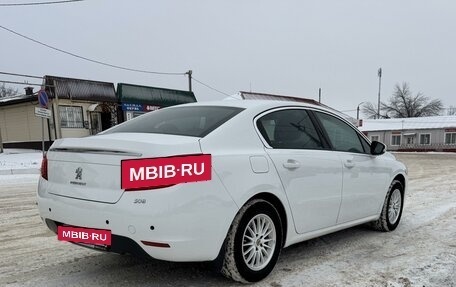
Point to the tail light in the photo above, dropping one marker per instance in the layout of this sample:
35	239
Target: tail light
44	168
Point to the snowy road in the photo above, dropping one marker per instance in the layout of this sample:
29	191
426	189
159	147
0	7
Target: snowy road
422	251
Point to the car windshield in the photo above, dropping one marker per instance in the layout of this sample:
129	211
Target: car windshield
195	121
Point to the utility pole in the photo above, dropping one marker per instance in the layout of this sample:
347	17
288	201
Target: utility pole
379	87
1	141
319	95
189	73
357	110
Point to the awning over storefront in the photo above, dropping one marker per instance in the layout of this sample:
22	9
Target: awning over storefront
78	89
92	107
147	97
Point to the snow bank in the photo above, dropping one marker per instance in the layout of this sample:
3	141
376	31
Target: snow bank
20	161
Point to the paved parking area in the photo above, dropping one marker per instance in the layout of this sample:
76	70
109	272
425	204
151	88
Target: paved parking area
422	251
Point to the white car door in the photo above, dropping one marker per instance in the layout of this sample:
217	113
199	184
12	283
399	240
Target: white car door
310	173
365	177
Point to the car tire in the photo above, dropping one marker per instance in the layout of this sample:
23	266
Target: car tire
392	208
250	253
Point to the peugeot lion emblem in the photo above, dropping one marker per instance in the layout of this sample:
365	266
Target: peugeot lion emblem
78	173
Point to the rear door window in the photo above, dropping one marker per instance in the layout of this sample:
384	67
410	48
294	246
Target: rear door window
341	135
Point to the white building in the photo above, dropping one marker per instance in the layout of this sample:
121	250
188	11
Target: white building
79	108
414	134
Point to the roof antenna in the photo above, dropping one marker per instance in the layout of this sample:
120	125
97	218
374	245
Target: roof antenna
319	95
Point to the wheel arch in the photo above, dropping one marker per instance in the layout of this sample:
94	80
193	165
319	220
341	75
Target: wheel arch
401	179
277	203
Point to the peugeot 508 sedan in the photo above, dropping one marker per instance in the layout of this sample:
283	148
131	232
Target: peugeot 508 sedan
276	173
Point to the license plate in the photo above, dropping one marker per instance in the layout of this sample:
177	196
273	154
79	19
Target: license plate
84	235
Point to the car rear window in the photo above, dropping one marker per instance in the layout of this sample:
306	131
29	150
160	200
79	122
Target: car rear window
195	121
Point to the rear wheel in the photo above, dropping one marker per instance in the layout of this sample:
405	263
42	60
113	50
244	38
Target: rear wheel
392	208
253	243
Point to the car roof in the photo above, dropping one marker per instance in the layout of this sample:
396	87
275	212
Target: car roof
257	104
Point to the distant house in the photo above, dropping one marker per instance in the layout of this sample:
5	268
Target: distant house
136	100
414	134
262	96
79	108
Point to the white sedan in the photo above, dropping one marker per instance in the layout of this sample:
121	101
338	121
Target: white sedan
232	182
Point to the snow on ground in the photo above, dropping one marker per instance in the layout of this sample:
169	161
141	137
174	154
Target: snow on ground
20	161
420	252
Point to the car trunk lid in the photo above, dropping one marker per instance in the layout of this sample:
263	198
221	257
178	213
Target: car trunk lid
89	168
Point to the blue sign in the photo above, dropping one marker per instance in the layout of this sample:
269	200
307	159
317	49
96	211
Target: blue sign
43	99
139	107
132	107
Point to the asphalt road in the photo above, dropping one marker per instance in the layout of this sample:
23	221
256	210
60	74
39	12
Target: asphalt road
421	252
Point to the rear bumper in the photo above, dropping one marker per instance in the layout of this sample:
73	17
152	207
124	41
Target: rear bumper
119	244
193	219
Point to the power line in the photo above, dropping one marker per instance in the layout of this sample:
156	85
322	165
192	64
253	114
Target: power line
88	59
20	75
212	88
38	3
38	77
23	83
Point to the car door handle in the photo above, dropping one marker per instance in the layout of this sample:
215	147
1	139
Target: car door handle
291	164
349	163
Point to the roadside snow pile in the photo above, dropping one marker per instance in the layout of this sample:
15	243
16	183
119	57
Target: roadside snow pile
20	161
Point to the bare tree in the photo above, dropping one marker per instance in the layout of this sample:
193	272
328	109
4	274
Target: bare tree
403	104
451	111
370	110
6	92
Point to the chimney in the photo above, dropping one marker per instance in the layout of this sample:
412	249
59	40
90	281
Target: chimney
28	91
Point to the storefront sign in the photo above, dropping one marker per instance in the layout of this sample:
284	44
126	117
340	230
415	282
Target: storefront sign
139	107
131	107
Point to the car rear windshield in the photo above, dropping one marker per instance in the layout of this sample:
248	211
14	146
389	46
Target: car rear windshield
195	121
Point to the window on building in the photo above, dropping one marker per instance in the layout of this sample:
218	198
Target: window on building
71	117
410	139
396	139
375	138
425	139
450	138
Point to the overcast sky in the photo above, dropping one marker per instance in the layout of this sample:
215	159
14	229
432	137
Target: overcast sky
282	47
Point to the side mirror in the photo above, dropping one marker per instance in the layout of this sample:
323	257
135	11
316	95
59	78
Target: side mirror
377	148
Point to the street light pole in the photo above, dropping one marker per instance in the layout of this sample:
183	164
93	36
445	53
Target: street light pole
357	110
379	87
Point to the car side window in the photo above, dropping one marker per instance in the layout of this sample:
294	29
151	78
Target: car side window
289	129
342	136
365	144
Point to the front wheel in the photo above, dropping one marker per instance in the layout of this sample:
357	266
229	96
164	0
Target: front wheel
392	208
253	243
